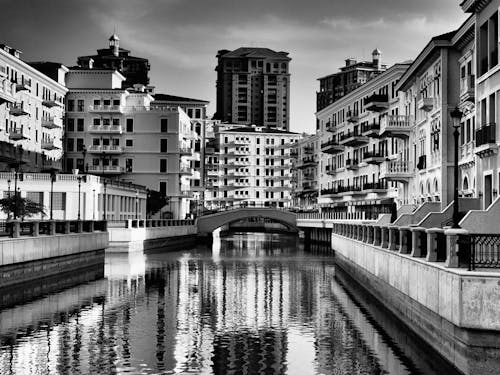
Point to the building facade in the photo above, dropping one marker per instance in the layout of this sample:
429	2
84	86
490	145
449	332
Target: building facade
31	112
354	74
253	87
305	176
251	166
359	136
124	134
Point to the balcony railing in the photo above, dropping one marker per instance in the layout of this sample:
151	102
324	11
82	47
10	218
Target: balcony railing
352	116
48	144
17	134
396	126
396	170
23	84
467	88
50	123
107	169
380	185
6	92
18	110
486	143
370	130
332	147
377	102
425	104
353	139
373	157
106	108
52	103
112	149
351	164
106	129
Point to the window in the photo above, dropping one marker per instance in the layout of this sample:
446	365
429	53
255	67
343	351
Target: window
129	143
97	102
198	113
163	187
130	125
163	165
116	121
70	125
97	122
163	145
80	105
116	102
70	144
71	105
95	141
69	165
59	201
79	144
79	125
129	164
164	125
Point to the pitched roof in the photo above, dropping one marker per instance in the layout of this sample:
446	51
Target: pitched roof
256	52
174	98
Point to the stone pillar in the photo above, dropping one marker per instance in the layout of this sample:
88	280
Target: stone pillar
52	226
36	229
16	229
384	237
91	226
376	235
452	236
66	227
369	234
416	240
404	240
80	226
393	232
432	243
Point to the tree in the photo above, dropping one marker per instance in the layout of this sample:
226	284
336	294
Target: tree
18	206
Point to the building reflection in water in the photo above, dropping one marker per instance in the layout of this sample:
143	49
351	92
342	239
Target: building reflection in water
253	305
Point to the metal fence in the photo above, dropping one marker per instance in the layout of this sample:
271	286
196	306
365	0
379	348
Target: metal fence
480	250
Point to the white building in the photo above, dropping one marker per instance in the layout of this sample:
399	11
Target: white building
31	111
250	166
305	180
124	134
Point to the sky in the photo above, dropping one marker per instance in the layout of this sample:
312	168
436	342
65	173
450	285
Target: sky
181	37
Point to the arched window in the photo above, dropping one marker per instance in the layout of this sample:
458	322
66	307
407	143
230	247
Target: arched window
465	183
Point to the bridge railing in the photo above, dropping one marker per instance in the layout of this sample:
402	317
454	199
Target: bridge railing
457	248
149	223
34	228
243	205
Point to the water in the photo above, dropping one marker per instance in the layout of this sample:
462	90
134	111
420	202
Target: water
256	304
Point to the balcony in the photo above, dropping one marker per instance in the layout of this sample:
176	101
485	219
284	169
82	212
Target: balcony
6	92
370	130
373	157
105	149
107	169
17	135
185	151
398	126
467	88
185	171
396	170
349	190
377	103
330	191
331	128
106	129
50	123
17	110
353	139
425	104
3	71
352	116
486	143
106	108
375	187
23	85
351	164
308	186
48	144
51	165
52	103
308	162
332	147
308	176
308	150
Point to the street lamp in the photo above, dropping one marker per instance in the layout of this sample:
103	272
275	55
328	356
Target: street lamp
93	204
8	195
136	203
79	178
16	173
104	201
84	153
456	116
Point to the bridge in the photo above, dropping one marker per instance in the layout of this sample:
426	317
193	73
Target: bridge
208	223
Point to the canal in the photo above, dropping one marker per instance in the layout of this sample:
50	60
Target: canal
251	304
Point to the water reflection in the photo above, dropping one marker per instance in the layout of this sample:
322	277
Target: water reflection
250	305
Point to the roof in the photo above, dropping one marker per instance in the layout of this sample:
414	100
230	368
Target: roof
114	37
253	129
174	98
256	52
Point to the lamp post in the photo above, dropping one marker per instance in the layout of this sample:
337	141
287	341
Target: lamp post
79	178
52	180
104	201
16	175
456	116
8	195
93	204
136	203
84	153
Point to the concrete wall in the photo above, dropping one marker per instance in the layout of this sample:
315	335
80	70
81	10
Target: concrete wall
444	218
468	300
417	215
479	221
17	250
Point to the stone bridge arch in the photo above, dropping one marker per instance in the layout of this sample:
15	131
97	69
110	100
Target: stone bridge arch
207	224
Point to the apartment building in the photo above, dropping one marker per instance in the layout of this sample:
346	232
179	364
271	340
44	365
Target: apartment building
134	69
251	166
438	81
253	87
126	135
31	112
485	15
354	74
305	174
359	132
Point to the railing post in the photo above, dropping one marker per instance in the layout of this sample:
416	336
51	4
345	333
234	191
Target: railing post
432	250
36	229
404	240
79	226
66	227
452	246
416	240
16	229
91	226
369	234
52	228
384	237
393	232
376	235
